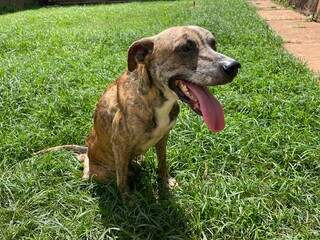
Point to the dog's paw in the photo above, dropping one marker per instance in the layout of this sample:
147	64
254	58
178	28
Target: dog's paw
138	160
82	157
171	183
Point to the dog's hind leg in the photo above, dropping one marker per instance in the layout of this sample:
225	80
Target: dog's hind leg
122	159
121	152
94	171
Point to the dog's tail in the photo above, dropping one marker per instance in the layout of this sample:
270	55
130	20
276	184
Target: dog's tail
76	149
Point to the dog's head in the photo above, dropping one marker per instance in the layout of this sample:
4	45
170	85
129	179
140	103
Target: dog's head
185	60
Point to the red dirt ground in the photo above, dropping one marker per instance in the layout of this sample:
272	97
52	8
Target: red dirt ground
301	37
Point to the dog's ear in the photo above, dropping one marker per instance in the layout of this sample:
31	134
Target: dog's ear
138	52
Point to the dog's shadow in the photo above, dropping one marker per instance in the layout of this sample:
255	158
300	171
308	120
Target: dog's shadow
147	213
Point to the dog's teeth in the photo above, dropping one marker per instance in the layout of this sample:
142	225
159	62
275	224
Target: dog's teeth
189	94
185	90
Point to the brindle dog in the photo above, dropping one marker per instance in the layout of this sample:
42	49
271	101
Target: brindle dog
140	108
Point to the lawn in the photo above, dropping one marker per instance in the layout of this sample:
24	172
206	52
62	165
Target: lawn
257	179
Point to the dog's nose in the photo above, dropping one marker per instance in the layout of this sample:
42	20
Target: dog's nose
231	68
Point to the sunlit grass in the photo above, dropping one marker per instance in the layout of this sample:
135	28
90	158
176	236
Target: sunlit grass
258	179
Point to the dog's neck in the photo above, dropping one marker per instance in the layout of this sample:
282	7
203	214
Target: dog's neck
162	100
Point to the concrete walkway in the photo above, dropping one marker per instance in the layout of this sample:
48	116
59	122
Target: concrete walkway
301	37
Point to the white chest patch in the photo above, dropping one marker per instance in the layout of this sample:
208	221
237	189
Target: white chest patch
162	116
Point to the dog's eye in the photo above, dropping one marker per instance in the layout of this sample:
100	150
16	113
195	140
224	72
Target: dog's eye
212	43
189	46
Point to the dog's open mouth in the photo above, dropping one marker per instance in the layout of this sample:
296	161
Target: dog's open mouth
202	102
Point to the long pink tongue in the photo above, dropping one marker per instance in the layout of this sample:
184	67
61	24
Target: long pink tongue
212	111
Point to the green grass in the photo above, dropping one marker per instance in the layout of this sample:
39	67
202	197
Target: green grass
258	179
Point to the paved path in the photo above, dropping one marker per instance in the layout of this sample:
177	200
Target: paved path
301	37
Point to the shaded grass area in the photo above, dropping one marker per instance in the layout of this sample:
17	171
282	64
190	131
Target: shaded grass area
258	179
7	6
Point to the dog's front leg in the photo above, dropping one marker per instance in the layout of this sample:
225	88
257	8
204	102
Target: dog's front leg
161	150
